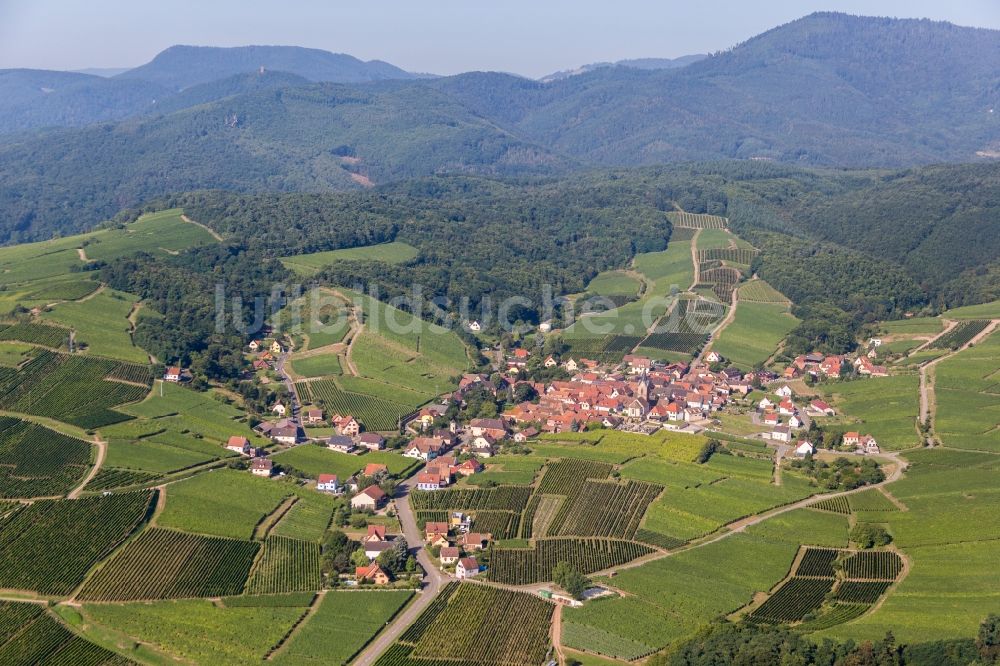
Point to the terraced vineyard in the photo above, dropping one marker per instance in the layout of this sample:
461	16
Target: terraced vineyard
374	413
795	599
696	220
50	545
38	462
164	564
960	334
525	566
287	565
498	627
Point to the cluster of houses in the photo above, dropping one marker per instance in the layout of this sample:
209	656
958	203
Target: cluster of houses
819	366
782	417
458	544
676	396
348	437
265	353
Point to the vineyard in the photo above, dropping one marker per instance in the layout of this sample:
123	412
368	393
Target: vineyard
50	545
759	291
502	498
685	328
834	505
374	413
794	600
605	509
110	477
736	255
525	566
723	280
36	334
29	635
696	220
960	334
135	373
656	539
499	524
567	477
871	500
837	614
38	462
607	348
287	565
862	592
164	564
68	388
497	627
873	565
817	562
414	632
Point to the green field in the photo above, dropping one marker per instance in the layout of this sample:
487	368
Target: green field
989	310
395	252
614	283
200	631
317	366
968	403
760	291
885	407
315	460
224	502
342	626
913	326
101	325
673	596
163	232
754	334
669	268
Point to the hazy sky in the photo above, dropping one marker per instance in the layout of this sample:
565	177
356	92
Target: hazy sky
530	37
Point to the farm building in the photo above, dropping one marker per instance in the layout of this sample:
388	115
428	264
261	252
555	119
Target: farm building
371	498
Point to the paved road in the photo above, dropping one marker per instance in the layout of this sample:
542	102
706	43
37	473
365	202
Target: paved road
434	580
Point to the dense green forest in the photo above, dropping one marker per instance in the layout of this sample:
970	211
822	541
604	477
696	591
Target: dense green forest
481	240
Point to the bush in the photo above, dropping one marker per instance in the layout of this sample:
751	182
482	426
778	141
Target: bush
867	535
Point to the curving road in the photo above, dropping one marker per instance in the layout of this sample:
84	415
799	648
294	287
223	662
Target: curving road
434	580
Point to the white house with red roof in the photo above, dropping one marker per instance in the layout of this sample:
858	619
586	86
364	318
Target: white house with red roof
238	444
328	483
467	567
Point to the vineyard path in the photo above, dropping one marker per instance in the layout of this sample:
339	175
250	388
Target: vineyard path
102	450
214	234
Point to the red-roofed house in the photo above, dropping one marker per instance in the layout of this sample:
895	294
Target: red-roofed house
371	498
449	555
375	469
822	407
467	567
372	572
239	445
431	481
173	374
375	533
328	483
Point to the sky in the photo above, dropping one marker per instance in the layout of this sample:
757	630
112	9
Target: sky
528	37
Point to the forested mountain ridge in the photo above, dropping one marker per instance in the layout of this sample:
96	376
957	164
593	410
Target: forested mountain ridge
828	90
180	67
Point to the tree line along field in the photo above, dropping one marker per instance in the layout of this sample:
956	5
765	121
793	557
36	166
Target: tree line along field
499	627
38	462
29	635
49	546
73	389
